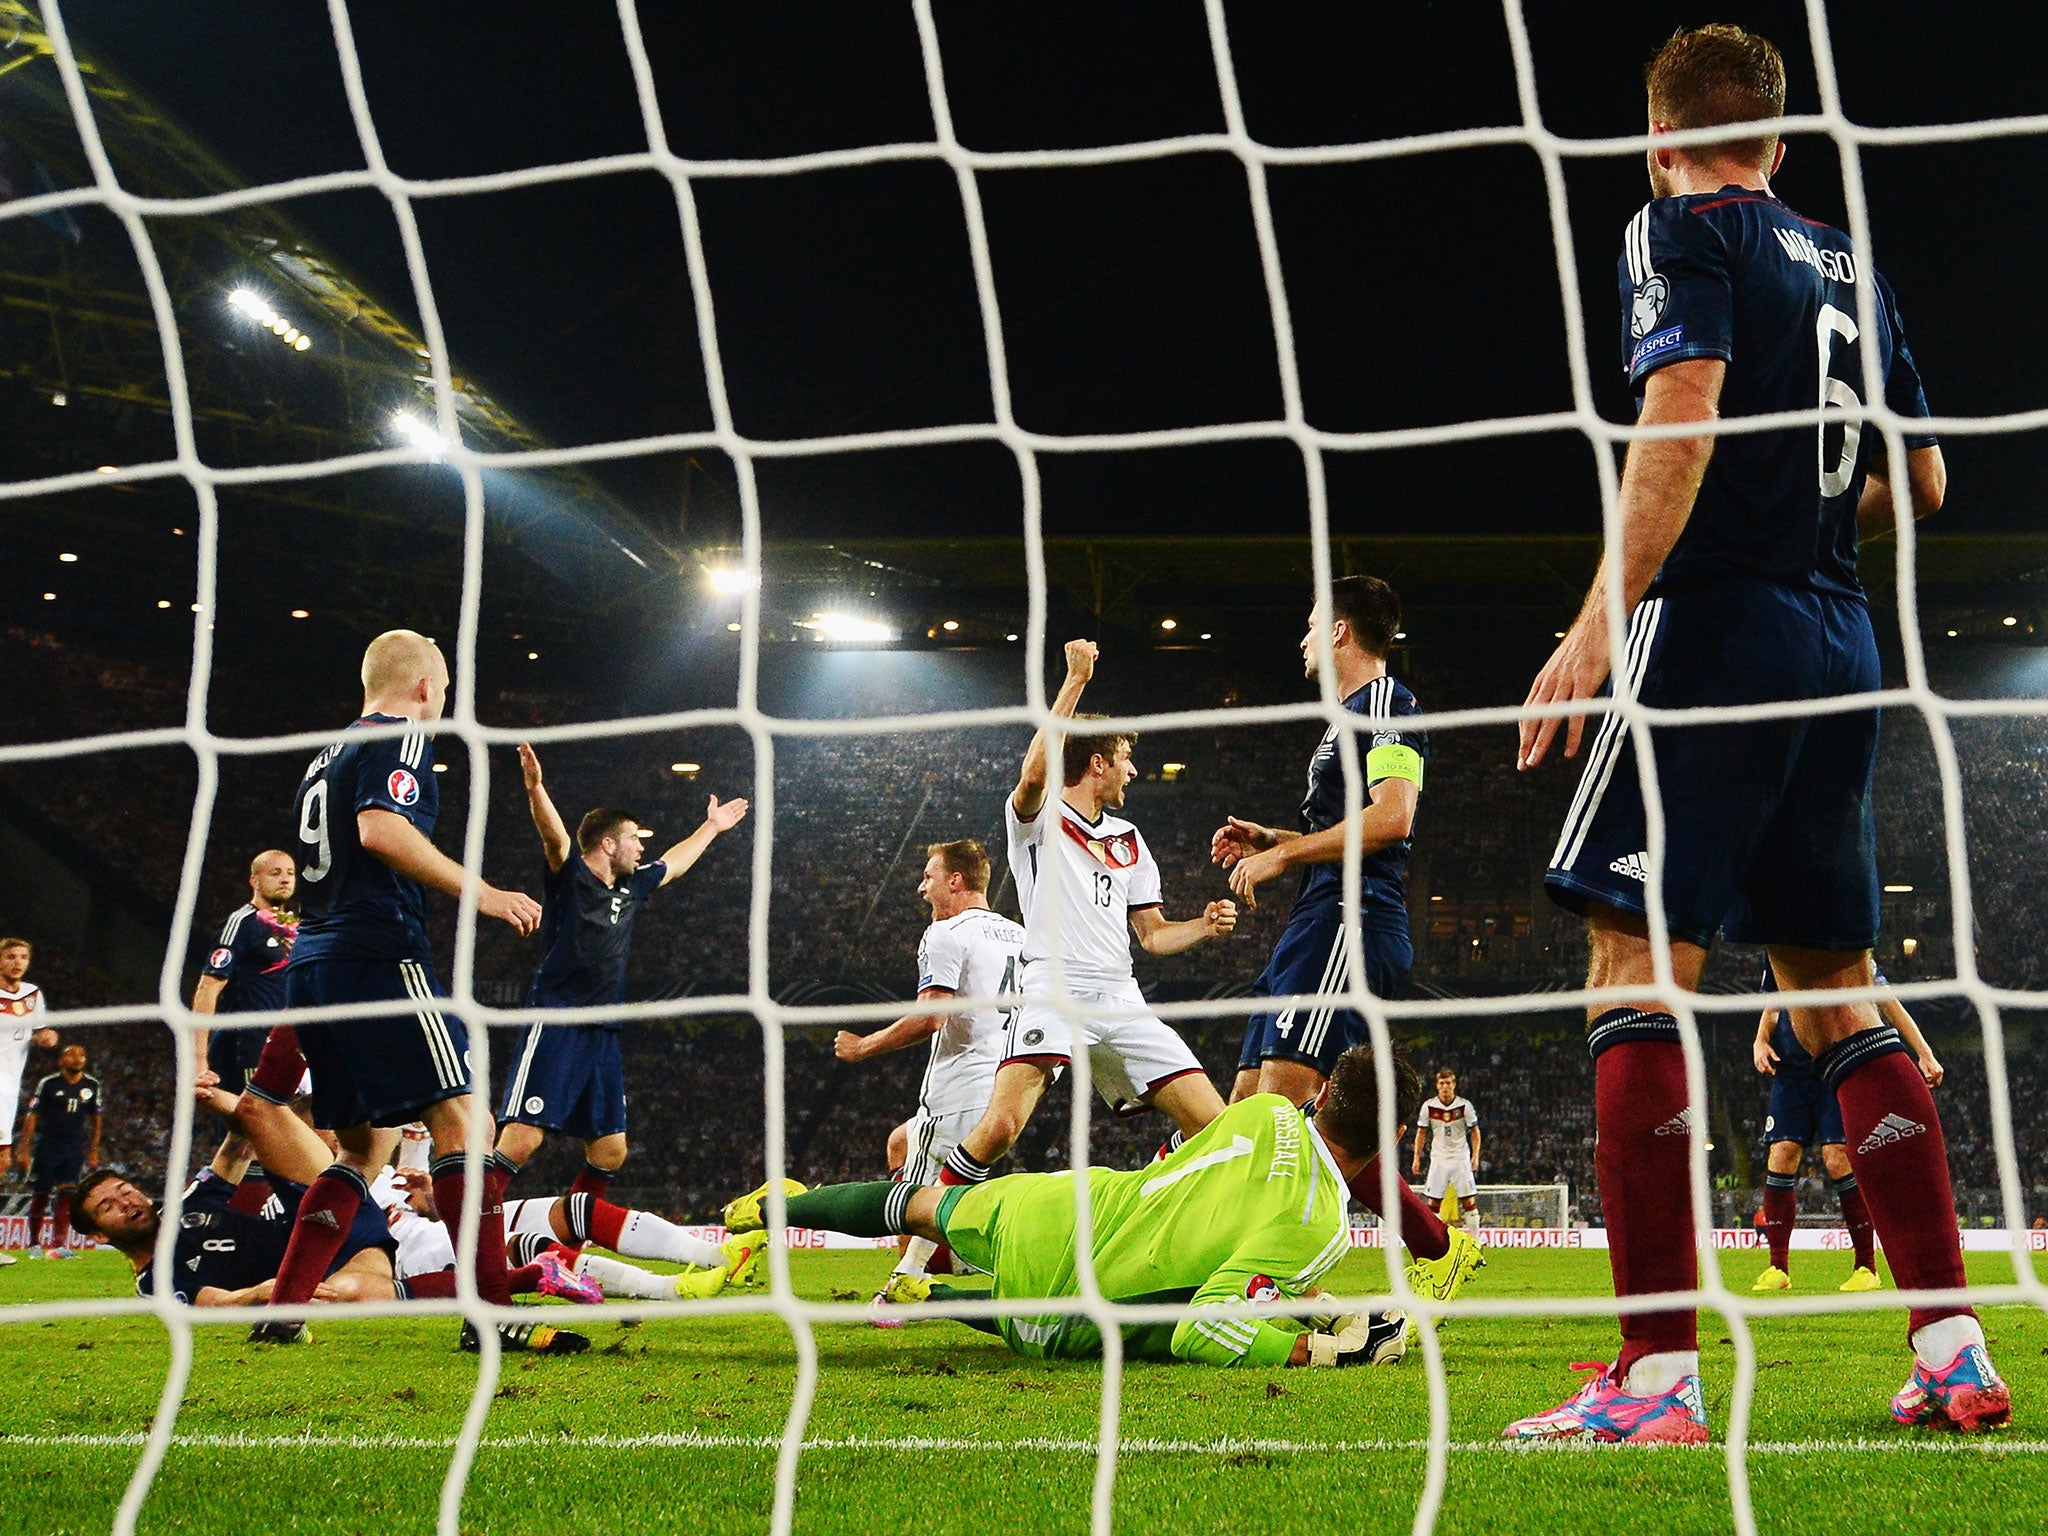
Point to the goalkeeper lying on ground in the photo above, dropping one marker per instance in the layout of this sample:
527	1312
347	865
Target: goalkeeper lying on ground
1254	1208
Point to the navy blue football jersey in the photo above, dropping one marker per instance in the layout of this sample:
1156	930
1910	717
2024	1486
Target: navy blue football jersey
1783	1041
1387	751
250	956
1737	275
586	927
352	904
64	1109
219	1247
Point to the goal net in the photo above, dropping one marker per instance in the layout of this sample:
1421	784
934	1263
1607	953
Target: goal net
467	730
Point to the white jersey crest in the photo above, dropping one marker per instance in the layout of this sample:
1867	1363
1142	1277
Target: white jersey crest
971	954
1103	872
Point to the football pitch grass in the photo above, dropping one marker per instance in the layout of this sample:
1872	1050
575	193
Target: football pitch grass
673	1425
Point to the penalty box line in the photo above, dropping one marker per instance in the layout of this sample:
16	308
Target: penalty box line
1130	1446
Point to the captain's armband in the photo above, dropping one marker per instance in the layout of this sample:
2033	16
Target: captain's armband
1393	761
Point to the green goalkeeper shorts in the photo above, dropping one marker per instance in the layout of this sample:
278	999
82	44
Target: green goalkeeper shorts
1020	1230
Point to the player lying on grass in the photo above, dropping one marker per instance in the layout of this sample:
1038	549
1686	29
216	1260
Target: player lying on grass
1255	1207
542	1237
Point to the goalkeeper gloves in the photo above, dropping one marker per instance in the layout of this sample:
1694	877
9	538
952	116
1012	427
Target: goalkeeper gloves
1373	1338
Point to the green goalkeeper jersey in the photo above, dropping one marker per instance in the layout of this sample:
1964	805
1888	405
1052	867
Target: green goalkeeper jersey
1252	1209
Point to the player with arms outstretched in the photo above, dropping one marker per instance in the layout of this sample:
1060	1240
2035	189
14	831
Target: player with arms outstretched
1255	1207
571	1077
1736	573
1803	1110
1451	1127
365	814
968	951
1108	889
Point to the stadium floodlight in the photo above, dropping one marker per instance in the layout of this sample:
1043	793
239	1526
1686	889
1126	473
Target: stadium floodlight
109	469
300	613
1009	637
733	628
1909	945
950	625
58	397
2008	621
68	558
1897	890
732	580
1169	624
49	597
844	626
259	309
163	602
1951	634
686	770
418	433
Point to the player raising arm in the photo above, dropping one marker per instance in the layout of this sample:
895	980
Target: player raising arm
1256	1207
1107	888
365	814
1736	573
571	1077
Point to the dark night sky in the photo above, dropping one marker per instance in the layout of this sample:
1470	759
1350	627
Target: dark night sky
1423	289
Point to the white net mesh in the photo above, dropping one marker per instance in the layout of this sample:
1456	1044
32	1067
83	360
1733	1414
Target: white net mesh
1312	443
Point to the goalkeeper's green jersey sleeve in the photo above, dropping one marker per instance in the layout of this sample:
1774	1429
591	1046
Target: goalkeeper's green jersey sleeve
1252	1209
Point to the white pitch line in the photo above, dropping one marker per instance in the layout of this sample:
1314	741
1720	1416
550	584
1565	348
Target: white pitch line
1137	1446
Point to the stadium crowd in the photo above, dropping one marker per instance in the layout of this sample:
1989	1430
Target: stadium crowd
852	815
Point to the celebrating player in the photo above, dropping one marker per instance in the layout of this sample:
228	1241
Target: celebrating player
1107	888
1802	1108
365	813
1736	571
245	972
571	1078
62	1132
968	951
20	1001
1452	1126
1253	1208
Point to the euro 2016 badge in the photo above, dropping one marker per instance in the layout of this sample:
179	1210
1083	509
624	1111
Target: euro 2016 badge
403	787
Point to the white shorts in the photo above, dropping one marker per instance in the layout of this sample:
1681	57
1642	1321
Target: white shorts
424	1247
932	1137
1456	1177
1131	1053
12	1064
536	1216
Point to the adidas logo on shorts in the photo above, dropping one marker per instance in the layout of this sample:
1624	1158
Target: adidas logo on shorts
1889	1131
1635	866
1680	1124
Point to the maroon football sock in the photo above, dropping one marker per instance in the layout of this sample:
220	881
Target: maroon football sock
524	1280
60	1229
281	1067
1856	1217
325	1212
1781	1214
1419	1228
941	1261
1645	1128
251	1197
449	1184
592	1180
607	1221
1901	1163
38	1203
431	1287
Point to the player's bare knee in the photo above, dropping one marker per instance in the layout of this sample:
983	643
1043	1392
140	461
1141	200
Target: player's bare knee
1244	1085
899	1147
519	1142
1295	1081
607	1152
1835	1159
1784	1157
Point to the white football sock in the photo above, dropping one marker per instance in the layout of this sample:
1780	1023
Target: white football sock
1471	1222
1940	1342
646	1236
624	1280
917	1256
1654	1375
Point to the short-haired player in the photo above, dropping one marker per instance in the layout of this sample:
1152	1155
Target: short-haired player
245	971
62	1132
1451	1127
21	1000
1803	1110
968	951
365	815
1073	854
570	1078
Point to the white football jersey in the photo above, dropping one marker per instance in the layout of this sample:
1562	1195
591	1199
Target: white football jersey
1448	1126
1103	872
971	954
18	1009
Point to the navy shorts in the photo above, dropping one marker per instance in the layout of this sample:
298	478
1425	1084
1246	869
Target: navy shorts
1313	957
568	1078
1769	829
53	1167
370	1229
1803	1110
232	1054
379	1071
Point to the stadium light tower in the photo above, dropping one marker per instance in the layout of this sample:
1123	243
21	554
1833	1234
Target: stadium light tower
731	580
259	310
418	433
844	627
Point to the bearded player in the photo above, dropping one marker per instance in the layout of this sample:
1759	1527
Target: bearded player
1075	844
968	951
1253	1208
1736	572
